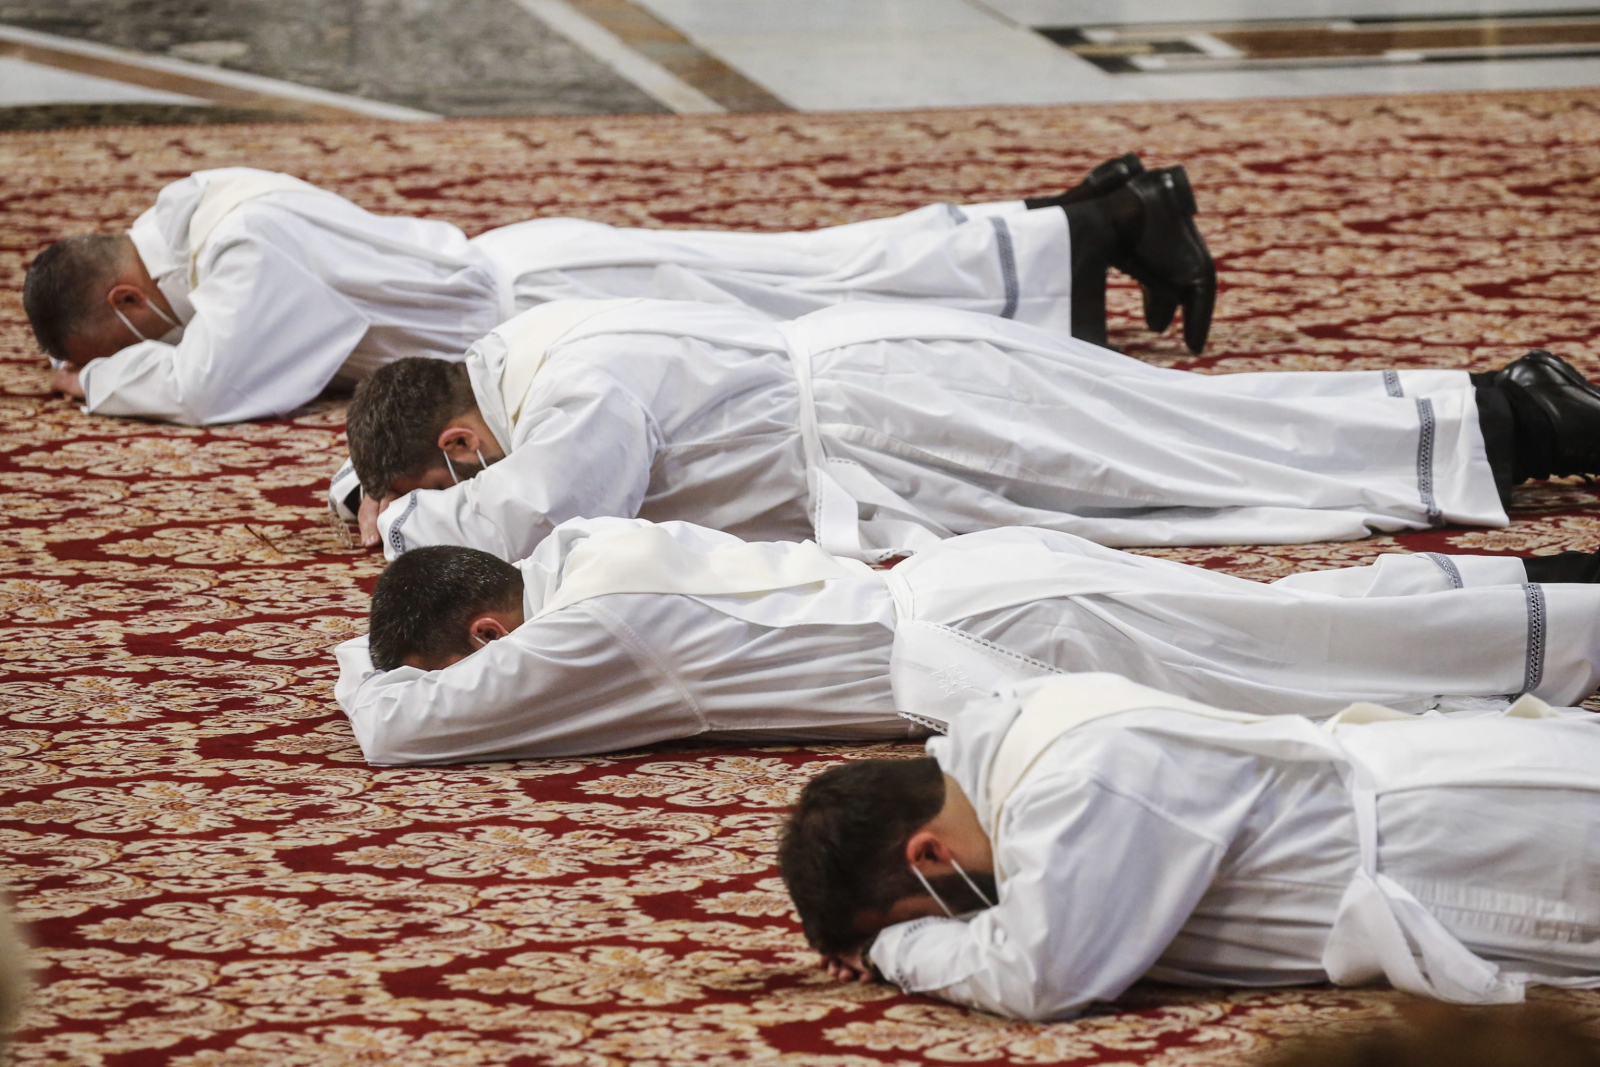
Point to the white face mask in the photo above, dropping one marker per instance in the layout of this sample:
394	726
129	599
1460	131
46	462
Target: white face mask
169	337
449	465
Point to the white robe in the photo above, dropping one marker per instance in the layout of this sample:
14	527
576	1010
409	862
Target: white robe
631	668
1160	842
998	258
925	422
290	290
294	289
1414	632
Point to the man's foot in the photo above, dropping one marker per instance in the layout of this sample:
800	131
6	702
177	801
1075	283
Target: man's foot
1160	305
1108	177
1548	392
1094	237
1169	258
1580	568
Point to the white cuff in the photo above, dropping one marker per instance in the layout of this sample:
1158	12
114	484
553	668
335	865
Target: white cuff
344	487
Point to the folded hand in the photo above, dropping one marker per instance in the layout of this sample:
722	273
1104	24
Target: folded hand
367	519
848	967
64	380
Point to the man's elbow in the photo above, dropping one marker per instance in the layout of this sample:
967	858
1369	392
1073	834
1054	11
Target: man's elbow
1051	1011
385	744
392	748
1030	1003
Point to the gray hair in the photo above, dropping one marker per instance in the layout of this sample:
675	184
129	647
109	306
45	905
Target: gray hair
64	290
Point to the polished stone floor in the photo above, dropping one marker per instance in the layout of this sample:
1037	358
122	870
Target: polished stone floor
450	57
910	53
422	58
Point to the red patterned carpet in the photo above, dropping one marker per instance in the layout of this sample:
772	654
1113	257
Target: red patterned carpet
214	877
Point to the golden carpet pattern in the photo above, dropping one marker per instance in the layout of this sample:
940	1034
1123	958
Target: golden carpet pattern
212	875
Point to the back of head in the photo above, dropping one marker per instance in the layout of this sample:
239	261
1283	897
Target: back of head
66	285
1442	1035
843	849
397	415
425	600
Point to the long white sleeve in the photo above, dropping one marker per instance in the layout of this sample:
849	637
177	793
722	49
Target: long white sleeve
557	686
266	337
586	453
1116	878
622	671
1400	574
628	669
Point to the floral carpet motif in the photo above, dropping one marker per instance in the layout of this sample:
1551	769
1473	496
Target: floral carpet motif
212	875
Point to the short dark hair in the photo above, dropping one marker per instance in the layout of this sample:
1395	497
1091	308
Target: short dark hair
425	599
843	849
62	292
397	415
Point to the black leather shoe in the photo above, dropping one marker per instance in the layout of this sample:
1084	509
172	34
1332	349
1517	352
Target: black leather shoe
1160	305
1171	255
1577	568
1108	177
1568	400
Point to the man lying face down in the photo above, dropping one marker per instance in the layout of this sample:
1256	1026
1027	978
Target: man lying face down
1078	833
618	632
241	293
879	429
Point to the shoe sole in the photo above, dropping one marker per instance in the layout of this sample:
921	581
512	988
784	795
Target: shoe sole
1199	299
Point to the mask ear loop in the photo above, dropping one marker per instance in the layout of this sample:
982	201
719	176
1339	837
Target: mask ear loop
169	320
970	884
131	327
164	316
929	887
449	464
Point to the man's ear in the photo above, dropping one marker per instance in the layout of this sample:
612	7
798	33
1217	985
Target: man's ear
486	628
925	847
124	297
462	438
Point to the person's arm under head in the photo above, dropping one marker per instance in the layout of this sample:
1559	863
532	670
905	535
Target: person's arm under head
66	380
266	337
561	685
586	451
1099	885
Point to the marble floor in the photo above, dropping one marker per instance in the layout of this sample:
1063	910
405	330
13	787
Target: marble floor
917	53
420	58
